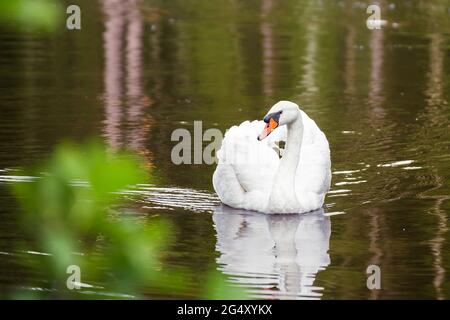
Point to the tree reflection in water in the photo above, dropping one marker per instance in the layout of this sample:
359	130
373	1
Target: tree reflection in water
126	124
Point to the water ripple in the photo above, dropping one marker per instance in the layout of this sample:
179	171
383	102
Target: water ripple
174	198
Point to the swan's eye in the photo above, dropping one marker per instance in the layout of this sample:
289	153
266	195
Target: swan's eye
280	112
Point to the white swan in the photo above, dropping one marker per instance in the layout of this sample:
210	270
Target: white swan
250	174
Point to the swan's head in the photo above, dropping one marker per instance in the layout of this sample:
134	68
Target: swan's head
281	113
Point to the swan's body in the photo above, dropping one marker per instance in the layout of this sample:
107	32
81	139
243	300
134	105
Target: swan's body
250	175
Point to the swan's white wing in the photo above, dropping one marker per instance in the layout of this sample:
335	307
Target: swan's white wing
246	166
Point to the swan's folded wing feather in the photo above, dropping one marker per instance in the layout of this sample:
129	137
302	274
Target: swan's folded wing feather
254	162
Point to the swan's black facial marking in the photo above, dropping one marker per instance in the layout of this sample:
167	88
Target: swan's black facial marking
272	120
275	116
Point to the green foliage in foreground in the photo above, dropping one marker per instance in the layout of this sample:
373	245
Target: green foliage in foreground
31	14
69	214
72	213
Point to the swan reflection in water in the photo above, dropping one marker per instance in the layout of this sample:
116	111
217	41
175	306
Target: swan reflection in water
275	256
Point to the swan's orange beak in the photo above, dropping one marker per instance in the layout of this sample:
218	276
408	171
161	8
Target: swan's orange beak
270	126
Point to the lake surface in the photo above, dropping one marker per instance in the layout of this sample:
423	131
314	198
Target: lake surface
136	72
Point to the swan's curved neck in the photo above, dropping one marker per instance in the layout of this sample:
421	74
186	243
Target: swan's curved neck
284	182
291	155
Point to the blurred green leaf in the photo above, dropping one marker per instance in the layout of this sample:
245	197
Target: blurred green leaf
31	14
72	214
68	212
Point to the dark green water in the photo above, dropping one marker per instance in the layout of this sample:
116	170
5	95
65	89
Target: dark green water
133	74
